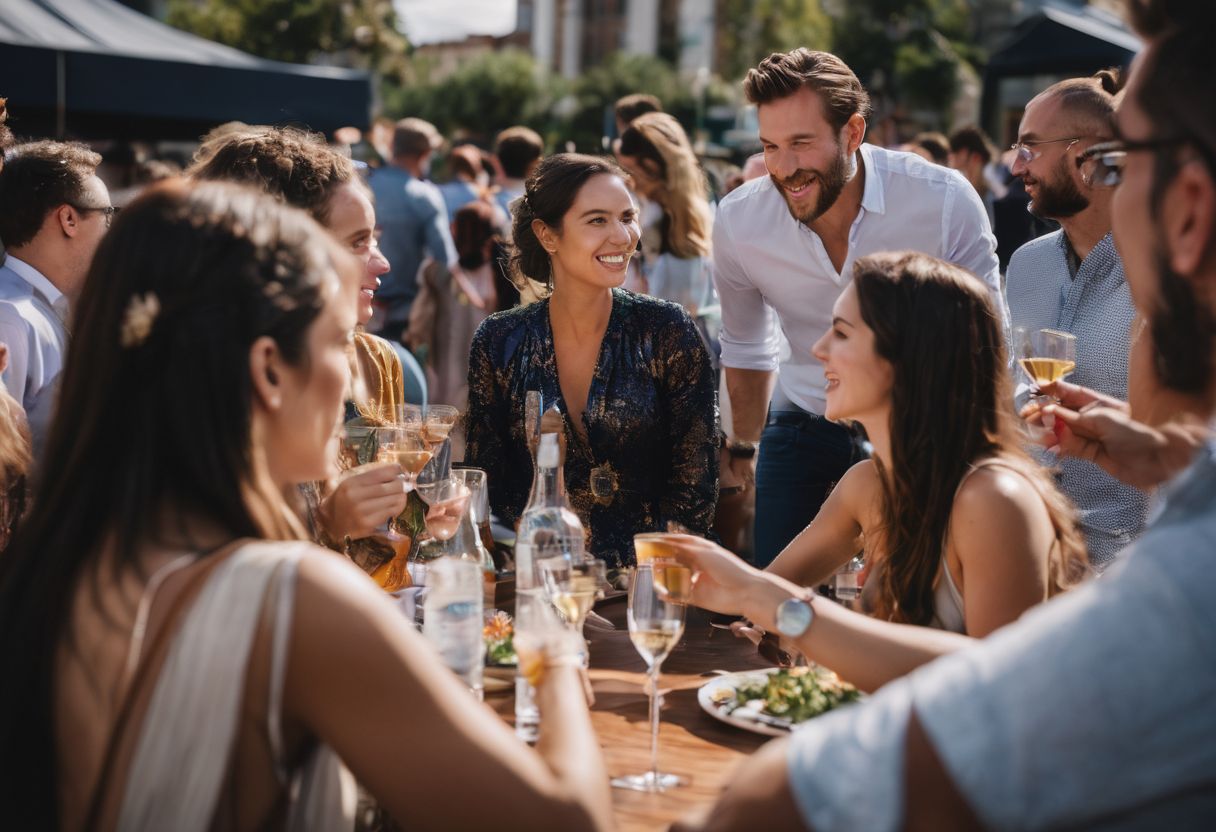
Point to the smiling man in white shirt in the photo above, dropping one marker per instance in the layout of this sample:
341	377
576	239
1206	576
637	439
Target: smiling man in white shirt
787	242
54	211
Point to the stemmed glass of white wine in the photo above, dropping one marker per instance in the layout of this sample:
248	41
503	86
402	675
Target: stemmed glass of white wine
573	586
655	626
1046	355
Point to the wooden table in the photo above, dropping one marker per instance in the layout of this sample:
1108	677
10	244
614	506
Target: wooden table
692	744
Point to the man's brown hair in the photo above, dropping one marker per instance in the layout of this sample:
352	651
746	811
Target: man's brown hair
36	179
972	139
639	103
1089	103
517	148
782	74
415	137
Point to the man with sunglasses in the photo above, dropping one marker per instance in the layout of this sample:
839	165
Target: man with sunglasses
1071	280
1094	710
54	210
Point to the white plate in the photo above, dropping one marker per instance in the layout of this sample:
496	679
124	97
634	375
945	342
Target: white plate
762	724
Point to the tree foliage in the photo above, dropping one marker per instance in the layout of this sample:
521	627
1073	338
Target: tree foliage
358	33
906	50
750	30
486	94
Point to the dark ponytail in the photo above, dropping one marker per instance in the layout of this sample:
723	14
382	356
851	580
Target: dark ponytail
548	195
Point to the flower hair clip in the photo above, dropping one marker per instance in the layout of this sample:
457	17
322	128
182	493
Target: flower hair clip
138	319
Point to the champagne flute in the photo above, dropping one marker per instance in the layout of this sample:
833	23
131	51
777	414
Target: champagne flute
573	588
655	626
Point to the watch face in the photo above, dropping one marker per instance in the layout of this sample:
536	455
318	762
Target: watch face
793	617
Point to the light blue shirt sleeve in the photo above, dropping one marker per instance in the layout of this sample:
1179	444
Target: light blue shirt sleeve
439	243
1097	705
15	334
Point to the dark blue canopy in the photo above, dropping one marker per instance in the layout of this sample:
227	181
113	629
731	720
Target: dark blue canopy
95	68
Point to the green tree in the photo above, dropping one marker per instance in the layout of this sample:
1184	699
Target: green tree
906	51
359	33
750	30
486	94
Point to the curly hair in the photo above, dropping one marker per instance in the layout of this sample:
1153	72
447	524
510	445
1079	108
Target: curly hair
294	165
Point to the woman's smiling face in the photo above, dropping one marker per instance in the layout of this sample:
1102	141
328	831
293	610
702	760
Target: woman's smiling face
598	234
857	379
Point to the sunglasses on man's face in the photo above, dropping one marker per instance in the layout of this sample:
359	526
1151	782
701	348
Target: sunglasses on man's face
1103	164
108	210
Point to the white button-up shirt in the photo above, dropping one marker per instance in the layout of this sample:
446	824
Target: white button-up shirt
764	258
32	324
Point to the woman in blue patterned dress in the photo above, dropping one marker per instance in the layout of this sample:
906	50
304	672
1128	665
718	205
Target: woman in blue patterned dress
629	373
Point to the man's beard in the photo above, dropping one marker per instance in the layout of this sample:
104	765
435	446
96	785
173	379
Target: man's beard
831	184
1183	329
1060	197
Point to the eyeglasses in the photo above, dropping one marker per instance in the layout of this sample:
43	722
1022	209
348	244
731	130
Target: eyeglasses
109	211
1026	153
1102	165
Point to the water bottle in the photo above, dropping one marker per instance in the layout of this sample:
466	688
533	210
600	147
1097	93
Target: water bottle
452	618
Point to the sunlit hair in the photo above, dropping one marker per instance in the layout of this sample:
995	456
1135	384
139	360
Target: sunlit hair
294	165
153	432
659	138
548	195
951	407
783	74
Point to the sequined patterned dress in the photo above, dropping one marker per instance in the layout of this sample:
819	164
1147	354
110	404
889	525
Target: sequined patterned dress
651	421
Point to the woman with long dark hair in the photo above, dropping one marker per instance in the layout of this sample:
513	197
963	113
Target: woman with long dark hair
628	372
175	654
962	531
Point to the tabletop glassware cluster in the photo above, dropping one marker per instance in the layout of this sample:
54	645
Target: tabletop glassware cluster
557	581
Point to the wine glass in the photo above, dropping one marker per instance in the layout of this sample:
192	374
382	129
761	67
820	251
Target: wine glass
655	626
398	444
1046	355
438	421
447	500
573	587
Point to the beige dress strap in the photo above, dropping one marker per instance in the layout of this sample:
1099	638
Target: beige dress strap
183	752
948	605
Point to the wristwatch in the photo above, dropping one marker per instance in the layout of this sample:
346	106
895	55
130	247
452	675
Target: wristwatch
741	449
794	615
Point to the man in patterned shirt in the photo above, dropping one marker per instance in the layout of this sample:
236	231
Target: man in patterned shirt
1072	280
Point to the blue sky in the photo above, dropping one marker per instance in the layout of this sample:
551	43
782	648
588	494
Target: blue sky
429	21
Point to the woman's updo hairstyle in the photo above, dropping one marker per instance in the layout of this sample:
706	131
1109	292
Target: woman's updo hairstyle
548	195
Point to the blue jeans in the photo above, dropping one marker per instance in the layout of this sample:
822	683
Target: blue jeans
802	456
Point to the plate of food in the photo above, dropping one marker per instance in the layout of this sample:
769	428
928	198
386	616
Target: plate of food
774	702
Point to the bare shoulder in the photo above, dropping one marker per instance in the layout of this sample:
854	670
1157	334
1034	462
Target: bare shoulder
995	499
335	593
860	484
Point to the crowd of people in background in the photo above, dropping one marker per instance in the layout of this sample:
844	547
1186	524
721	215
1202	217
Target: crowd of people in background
175	377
